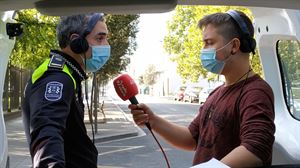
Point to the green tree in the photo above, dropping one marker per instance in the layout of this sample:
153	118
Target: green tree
184	40
150	75
39	35
289	52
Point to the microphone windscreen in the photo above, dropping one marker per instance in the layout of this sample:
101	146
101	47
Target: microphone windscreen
125	87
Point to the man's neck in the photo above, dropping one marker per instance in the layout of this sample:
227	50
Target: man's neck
238	69
238	75
76	57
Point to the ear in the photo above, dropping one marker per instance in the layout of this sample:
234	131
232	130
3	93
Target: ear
236	45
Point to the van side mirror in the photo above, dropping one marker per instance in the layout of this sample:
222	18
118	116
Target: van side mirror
14	29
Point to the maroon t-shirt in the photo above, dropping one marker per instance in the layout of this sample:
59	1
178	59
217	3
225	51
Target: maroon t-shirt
219	127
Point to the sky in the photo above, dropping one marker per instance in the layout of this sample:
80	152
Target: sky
152	29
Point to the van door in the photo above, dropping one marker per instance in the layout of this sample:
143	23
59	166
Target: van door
6	46
278	36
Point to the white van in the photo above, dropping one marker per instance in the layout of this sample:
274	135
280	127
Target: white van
277	25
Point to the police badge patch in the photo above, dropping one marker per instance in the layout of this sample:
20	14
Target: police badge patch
53	91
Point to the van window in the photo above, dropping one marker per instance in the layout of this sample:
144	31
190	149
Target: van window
288	52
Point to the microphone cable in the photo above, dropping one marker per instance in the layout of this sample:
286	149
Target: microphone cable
133	100
162	150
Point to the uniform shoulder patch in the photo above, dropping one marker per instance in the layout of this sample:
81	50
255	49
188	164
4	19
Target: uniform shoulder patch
56	61
53	91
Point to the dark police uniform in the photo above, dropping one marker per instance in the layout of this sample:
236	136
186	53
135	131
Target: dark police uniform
53	114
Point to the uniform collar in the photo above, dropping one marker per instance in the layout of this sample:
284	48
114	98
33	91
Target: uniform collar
72	63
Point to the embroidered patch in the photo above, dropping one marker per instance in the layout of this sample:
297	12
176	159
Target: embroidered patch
53	91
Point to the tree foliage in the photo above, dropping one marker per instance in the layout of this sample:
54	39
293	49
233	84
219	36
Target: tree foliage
141	80
150	76
184	40
39	35
289	52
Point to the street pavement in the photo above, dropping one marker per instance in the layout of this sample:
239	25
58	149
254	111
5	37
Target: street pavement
114	126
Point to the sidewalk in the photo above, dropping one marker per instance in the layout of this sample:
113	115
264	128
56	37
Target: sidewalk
116	125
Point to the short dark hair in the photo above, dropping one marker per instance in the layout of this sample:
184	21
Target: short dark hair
226	25
69	25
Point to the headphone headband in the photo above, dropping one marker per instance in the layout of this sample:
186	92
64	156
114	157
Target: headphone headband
240	22
248	43
92	22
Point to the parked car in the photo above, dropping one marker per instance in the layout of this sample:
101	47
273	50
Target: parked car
203	94
179	93
191	94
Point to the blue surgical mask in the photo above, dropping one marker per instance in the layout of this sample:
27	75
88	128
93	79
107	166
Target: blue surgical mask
100	55
210	62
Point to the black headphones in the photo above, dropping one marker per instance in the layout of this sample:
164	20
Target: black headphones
79	44
248	43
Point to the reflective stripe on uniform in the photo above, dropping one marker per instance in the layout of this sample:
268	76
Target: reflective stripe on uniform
39	72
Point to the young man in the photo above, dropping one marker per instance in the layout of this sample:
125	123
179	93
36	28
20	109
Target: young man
236	123
53	109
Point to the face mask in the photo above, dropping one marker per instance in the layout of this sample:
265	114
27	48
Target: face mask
100	55
209	61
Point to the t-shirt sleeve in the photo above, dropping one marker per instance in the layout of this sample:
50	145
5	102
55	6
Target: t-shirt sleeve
257	123
194	126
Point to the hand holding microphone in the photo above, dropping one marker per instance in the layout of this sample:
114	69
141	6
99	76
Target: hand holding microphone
126	90
141	113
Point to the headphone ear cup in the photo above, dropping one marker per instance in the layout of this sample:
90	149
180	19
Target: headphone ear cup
247	44
79	45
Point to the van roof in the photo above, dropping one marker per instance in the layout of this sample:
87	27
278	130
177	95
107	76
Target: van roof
59	7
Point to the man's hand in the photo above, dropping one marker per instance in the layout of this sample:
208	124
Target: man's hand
141	114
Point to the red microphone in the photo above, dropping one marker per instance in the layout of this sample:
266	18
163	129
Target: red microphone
127	89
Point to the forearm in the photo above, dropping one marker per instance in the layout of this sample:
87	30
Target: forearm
176	135
47	148
241	157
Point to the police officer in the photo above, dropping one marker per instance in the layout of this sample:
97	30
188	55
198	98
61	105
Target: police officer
53	109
